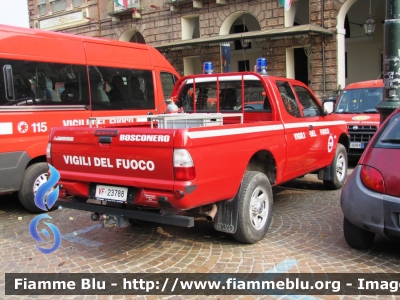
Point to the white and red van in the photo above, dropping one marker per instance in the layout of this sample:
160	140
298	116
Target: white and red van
357	106
53	79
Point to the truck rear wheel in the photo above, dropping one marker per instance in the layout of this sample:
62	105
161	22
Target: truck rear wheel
339	169
34	176
254	208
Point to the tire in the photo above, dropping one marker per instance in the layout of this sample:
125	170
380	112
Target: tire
339	169
356	237
254	208
34	176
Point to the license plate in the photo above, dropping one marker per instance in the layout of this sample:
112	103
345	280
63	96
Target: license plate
357	145
111	193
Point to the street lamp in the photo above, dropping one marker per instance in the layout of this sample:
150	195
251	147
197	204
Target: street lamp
369	24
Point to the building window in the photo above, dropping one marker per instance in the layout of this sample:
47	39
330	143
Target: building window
241	44
58	5
42	7
243	66
190	27
76	3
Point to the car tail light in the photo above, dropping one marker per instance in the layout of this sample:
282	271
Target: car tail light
183	165
48	153
372	179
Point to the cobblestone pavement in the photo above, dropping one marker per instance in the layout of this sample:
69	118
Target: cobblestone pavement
306	229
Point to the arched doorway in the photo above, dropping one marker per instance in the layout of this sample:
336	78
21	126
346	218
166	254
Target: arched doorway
298	64
359	56
239	55
132	36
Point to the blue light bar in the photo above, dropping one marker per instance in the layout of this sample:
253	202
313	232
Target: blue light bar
208	67
261	66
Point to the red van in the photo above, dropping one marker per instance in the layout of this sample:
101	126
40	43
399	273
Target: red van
357	106
52	79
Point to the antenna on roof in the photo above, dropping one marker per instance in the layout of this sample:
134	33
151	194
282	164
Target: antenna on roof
244	43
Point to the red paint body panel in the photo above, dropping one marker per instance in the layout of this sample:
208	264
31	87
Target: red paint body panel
221	154
385	159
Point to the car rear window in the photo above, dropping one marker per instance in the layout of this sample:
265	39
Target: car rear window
389	136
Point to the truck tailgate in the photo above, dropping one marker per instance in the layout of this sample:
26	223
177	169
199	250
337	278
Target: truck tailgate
139	157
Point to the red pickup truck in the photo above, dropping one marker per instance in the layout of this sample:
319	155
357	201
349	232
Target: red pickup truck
240	134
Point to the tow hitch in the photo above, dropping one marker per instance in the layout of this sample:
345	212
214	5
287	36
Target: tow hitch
110	220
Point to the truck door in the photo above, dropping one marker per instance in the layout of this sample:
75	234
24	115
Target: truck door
319	136
296	132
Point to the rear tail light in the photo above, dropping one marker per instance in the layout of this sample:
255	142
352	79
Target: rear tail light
183	165
48	153
372	179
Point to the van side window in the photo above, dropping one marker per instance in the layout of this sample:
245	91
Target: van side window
288	98
121	89
41	83
309	105
167	82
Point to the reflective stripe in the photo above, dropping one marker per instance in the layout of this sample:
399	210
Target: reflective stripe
232	131
314	124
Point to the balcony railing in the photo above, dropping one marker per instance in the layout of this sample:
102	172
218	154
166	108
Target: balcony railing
119	4
116	7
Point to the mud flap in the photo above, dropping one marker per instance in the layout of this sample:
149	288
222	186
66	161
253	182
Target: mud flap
227	215
326	173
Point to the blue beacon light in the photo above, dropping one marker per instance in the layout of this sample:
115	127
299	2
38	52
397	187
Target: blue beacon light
208	67
261	66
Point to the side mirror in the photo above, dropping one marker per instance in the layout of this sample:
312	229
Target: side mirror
328	107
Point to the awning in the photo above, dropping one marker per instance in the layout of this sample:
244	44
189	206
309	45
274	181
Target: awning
301	30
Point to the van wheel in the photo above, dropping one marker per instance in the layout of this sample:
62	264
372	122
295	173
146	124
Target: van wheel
254	208
339	169
356	237
34	176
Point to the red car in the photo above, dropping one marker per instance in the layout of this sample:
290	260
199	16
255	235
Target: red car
370	198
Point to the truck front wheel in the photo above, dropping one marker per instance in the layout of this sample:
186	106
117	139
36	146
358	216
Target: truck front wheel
339	169
254	208
34	176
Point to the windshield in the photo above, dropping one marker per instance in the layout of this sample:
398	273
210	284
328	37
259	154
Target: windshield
359	101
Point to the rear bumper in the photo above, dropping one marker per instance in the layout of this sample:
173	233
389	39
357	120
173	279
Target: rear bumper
370	210
143	197
156	216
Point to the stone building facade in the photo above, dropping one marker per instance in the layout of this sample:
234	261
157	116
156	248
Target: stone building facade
301	41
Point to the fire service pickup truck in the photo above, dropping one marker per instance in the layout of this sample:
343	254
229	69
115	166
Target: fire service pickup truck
239	134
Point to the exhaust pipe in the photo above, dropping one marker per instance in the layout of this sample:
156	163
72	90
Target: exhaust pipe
211	214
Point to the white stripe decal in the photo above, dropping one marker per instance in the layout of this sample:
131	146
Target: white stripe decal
316	124
232	131
6	128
